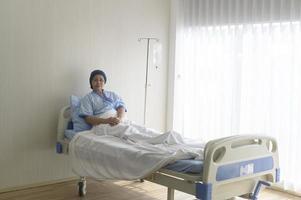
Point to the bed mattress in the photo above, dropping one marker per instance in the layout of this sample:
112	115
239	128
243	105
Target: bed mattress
189	166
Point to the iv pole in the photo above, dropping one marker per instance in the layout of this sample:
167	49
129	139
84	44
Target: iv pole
146	72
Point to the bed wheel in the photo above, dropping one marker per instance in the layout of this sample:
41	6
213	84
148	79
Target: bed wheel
82	188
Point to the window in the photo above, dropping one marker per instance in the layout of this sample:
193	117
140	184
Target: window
241	79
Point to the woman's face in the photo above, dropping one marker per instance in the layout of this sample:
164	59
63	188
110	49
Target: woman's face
98	82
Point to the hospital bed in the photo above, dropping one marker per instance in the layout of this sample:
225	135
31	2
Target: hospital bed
232	166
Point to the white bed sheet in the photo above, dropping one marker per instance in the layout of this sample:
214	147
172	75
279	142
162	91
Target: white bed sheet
127	151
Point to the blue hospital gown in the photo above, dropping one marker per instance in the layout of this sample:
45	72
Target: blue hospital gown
94	104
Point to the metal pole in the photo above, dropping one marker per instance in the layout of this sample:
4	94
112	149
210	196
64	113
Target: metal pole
146	74
146	82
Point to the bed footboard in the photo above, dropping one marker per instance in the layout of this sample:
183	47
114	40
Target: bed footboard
233	165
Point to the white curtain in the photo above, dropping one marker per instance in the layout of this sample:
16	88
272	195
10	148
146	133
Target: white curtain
238	71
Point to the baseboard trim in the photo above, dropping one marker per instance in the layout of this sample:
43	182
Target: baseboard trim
24	187
281	189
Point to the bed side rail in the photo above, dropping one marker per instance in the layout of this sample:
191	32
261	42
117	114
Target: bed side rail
64	118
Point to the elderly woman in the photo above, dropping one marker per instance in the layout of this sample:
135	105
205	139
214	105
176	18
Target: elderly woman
98	102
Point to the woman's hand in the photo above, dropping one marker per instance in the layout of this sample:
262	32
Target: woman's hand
120	113
113	121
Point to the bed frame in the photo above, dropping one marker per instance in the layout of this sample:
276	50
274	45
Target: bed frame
232	166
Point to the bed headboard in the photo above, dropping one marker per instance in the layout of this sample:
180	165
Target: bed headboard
64	118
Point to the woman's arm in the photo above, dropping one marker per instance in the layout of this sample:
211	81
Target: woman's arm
96	120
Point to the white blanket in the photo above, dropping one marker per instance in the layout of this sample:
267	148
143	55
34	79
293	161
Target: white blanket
127	151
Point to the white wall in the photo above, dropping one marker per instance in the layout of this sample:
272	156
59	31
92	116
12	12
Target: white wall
47	50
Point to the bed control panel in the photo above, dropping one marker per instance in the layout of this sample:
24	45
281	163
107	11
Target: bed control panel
246	169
